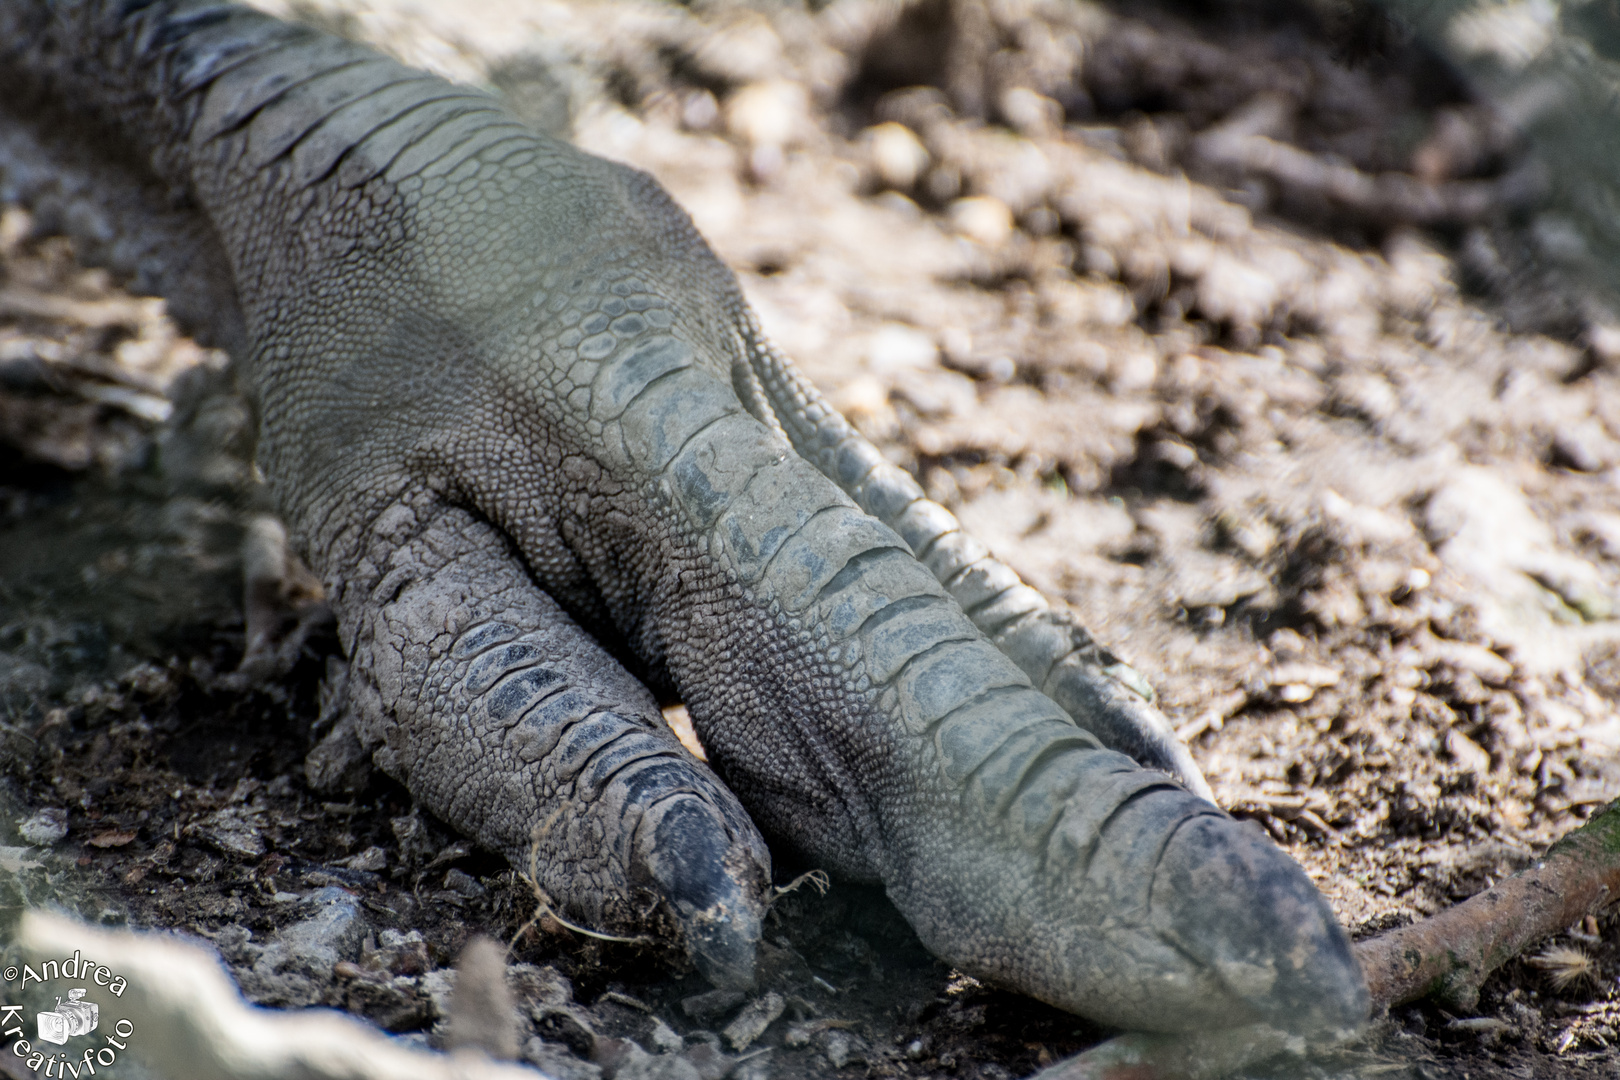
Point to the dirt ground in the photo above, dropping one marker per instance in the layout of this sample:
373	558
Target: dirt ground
1247	334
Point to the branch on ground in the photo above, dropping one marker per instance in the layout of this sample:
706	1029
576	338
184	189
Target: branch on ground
1450	954
1244	146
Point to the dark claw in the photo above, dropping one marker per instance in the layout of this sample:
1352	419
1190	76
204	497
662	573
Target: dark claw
711	885
1235	904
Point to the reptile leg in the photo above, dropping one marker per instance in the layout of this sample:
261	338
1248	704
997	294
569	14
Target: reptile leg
510	723
434	299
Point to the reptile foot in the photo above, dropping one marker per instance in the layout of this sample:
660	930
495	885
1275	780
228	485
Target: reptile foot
512	725
493	372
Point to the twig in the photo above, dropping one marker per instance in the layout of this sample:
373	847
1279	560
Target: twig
1451	953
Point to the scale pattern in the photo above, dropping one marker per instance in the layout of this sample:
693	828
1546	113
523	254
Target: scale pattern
519	418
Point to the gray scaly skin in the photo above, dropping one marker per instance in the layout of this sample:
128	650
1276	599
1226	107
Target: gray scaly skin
512	407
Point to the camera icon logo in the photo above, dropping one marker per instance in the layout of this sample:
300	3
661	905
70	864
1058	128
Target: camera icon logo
70	1018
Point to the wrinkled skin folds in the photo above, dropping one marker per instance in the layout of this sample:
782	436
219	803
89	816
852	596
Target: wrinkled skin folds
521	421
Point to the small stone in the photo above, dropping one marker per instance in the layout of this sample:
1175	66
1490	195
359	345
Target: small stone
707	1057
770	113
1585	447
233	832
554	1060
542	987
46	827
842	1047
751	1023
566	1024
712	1004
1031	114
753	1067
981	218
618	1057
451	852
464	884
898	156
663	1038
394	1005
637	1064
896	347
864	396
371	860
414	837
399	954
316	945
1468	754
439	986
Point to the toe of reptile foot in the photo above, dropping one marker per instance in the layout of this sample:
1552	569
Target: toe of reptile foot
1229	899
713	887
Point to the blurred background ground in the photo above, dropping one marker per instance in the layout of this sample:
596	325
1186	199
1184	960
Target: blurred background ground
1251	331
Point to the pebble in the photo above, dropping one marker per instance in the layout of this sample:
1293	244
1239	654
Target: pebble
414	838
555	1061
46	827
542	986
439	986
770	113
898	156
637	1064
371	860
664	1038
712	1004
1487	1029
706	1056
397	953
232	832
464	884
316	945
896	347
751	1023
842	1047
982	218
1585	447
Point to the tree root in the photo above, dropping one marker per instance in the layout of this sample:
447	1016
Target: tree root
1448	955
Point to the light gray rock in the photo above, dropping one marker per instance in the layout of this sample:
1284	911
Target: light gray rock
46	827
751	1023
